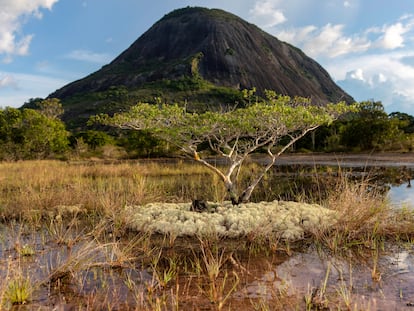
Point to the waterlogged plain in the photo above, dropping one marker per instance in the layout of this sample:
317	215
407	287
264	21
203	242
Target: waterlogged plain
67	242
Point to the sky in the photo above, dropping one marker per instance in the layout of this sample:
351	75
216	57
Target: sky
367	46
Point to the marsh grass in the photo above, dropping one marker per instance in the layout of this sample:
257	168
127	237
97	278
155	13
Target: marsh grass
16	287
32	189
365	219
68	215
18	291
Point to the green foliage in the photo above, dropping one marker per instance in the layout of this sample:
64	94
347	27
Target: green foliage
194	65
194	83
50	107
406	122
18	290
273	124
142	144
95	139
29	134
117	93
371	128
230	52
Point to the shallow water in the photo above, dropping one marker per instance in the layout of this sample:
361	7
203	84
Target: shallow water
402	195
307	272
93	271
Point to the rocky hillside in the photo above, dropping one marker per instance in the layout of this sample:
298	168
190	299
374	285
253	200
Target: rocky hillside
204	53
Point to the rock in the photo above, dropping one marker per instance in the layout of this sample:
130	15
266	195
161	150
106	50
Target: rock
199	206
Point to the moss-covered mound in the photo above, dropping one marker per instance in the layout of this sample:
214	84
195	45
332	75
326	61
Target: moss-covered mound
289	220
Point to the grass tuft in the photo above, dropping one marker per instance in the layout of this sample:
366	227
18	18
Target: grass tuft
18	291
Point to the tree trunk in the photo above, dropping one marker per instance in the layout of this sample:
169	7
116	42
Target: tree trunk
234	198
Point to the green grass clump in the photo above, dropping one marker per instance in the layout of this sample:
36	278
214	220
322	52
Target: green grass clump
18	291
26	250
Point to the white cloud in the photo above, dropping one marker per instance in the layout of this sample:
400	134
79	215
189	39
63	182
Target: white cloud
383	65
266	14
89	56
393	37
357	74
351	4
12	16
22	87
297	35
365	62
329	40
8	81
383	76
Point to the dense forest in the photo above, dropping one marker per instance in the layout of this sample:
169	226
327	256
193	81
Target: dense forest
38	132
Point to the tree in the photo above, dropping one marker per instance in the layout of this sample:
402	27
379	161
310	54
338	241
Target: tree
371	128
406	121
142	144
10	134
42	135
95	139
272	125
28	134
50	107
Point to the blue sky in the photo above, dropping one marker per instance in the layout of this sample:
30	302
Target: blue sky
366	46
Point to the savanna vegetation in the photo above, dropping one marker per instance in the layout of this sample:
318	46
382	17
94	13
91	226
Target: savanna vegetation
68	239
271	126
21	139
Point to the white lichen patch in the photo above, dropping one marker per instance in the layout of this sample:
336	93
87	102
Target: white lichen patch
290	220
64	211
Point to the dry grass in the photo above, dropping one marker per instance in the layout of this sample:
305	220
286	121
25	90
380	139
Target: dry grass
365	218
35	189
32	189
101	267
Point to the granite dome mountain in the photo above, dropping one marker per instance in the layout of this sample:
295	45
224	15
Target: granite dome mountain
197	54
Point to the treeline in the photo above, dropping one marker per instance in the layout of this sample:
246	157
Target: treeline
370	129
29	133
38	133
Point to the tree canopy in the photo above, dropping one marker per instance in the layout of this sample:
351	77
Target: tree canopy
28	133
272	125
372	128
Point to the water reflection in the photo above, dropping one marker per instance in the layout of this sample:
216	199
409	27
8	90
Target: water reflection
298	182
402	194
312	271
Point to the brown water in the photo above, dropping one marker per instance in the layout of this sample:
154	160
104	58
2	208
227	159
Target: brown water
91	275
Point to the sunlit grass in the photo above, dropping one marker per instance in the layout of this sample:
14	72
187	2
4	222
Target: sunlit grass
365	218
44	205
31	189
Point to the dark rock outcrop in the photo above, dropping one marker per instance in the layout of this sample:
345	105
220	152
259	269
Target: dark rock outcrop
215	46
